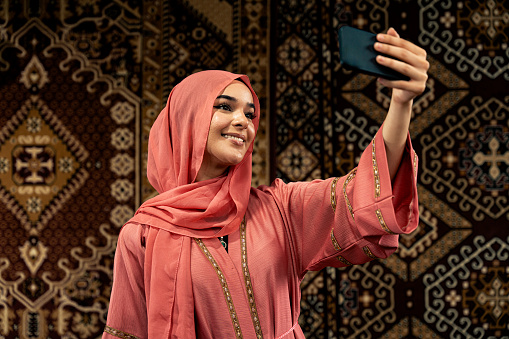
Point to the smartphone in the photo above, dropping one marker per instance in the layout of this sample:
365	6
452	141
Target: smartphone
356	52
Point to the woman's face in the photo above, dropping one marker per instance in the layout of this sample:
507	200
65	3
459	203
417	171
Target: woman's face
231	130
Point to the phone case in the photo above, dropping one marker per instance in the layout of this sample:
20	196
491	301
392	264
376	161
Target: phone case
356	52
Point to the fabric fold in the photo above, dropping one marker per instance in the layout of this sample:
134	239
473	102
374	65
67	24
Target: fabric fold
176	147
185	209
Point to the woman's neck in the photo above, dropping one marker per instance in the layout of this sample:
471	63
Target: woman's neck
210	173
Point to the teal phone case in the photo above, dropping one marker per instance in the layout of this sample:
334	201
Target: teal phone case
356	52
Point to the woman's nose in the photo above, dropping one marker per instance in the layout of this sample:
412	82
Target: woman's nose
240	119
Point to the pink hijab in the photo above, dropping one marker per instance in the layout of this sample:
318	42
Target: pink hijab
176	147
185	209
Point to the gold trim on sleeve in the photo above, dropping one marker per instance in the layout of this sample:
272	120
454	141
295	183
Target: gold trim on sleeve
224	285
349	178
375	171
368	252
415	165
334	241
382	221
344	261
333	200
247	279
118	333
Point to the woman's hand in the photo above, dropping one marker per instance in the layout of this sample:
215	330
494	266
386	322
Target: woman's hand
411	62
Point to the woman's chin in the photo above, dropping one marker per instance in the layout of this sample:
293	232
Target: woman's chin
235	159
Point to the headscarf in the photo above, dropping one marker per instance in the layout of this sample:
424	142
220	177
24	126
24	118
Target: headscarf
184	208
177	142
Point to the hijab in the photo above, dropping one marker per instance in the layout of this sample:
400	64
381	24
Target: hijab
185	209
176	147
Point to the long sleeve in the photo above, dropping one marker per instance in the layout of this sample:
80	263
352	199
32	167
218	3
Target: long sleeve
377	210
353	219
127	313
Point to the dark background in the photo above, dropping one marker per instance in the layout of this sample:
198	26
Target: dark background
82	81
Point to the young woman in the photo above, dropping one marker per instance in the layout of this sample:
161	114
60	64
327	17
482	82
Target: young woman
211	257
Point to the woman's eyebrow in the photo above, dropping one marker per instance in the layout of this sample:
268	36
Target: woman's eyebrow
227	97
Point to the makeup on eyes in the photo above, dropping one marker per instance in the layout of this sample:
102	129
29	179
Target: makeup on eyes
227	106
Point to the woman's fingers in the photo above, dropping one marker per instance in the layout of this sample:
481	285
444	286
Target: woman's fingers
404	56
390	40
392	31
414	69
418	76
404	51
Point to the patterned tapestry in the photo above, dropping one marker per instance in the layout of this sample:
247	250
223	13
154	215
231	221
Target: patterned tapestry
82	81
450	278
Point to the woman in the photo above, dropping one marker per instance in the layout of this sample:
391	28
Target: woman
174	278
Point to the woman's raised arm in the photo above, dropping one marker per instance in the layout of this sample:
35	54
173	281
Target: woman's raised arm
412	63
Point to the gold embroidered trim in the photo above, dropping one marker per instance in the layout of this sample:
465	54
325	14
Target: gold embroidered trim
333	200
333	203
247	280
368	252
382	222
334	241
224	285
344	261
119	333
415	165
375	171
349	178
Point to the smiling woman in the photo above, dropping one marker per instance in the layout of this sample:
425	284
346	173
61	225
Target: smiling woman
231	130
173	277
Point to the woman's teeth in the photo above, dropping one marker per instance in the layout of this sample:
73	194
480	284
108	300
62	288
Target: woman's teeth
232	137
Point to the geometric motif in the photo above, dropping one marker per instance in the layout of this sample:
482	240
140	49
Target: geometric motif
459	128
296	107
200	35
474	184
34	76
152	80
485	160
299	116
251	25
195	43
294	54
469	296
124	57
38	173
312	302
33	253
443	91
68	125
298	162
469	33
363	301
375	307
440	231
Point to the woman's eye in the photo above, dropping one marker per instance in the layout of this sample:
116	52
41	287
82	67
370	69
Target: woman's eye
250	116
224	107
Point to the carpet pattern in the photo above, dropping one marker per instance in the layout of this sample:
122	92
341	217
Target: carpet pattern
70	99
449	278
81	82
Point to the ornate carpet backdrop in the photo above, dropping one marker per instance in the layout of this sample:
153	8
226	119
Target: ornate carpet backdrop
82	81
